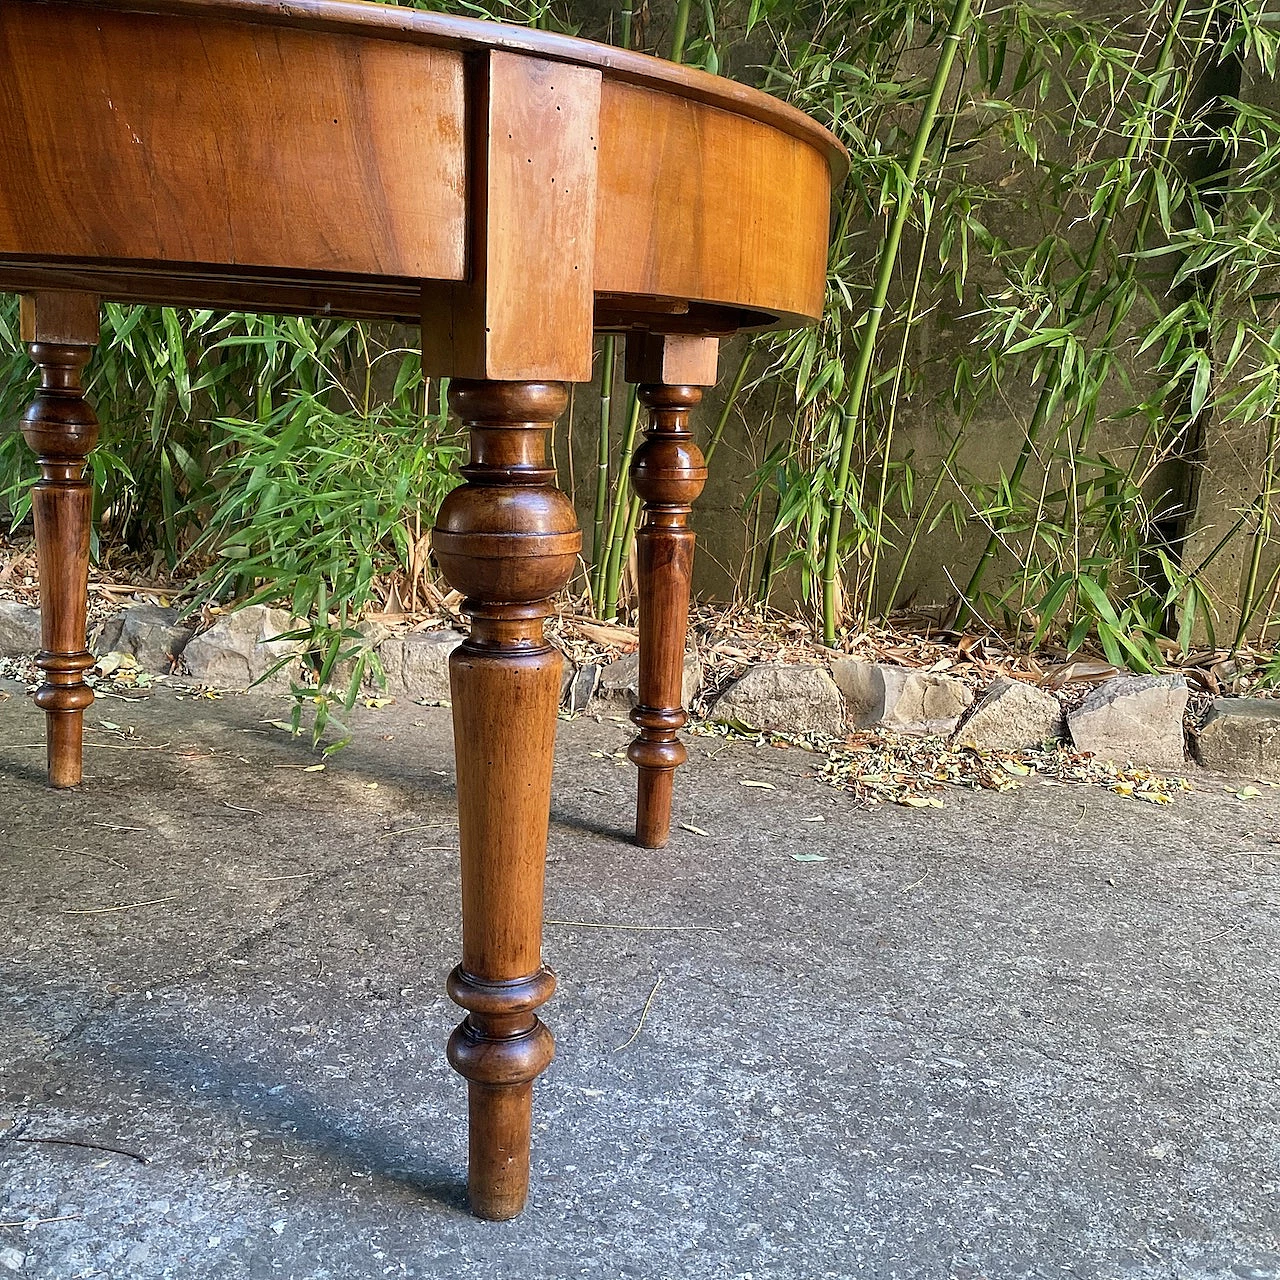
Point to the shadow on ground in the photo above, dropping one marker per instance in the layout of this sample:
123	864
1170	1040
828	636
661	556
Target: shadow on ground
1028	1034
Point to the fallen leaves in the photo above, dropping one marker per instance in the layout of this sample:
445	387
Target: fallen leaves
909	771
920	767
881	767
120	672
609	635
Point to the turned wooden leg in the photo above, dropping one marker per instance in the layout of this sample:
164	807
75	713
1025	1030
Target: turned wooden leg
668	472
61	428
508	540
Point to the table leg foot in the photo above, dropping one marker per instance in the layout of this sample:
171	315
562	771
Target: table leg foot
500	1048
62	429
668	473
508	540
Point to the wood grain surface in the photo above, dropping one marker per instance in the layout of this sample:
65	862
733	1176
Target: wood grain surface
699	204
526	308
335	158
192	140
60	331
401	25
508	540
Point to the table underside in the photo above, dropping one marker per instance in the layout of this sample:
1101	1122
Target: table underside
324	294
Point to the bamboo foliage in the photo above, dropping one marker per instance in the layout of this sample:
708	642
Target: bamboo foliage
1148	188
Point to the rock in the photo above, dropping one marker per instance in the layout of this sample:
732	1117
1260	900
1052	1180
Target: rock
1134	719
1011	716
784	697
12	1259
238	649
902	698
578	685
374	634
620	680
417	665
149	633
1242	736
19	629
863	687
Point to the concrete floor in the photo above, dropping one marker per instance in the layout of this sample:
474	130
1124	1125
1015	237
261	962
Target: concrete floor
1028	1034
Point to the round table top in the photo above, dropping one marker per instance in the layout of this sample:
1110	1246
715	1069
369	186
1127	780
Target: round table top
511	190
392	22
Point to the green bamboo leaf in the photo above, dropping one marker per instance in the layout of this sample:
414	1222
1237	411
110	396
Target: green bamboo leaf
1098	599
1050	604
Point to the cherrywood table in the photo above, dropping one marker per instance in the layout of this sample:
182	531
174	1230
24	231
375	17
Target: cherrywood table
514	192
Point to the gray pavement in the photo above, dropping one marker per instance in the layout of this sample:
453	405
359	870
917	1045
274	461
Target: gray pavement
1027	1034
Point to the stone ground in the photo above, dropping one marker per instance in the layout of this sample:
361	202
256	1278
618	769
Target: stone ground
1028	1034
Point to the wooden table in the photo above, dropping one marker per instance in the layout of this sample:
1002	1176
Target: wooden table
514	192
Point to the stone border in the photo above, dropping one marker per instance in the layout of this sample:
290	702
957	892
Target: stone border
1139	720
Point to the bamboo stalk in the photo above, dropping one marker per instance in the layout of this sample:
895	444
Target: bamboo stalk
868	606
960	20
758	503
1260	537
1129	270
735	387
608	361
877	532
912	304
769	561
1118	290
613	587
680	31
442	411
620	508
918	524
765	589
